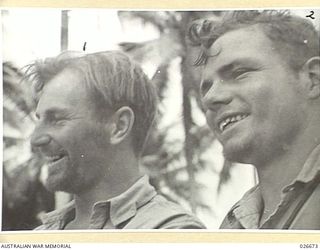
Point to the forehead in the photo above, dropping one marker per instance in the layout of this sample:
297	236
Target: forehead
67	90
249	42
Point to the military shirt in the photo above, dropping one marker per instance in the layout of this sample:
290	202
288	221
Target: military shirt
140	207
299	207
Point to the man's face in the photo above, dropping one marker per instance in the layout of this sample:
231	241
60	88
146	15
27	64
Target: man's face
74	143
252	98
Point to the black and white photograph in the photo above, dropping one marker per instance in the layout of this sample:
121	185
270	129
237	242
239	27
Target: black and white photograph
207	120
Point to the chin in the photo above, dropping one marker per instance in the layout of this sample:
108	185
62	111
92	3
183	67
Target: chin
52	187
55	186
74	185
59	184
238	153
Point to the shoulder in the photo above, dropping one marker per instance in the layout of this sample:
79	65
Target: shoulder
161	213
41	227
54	219
308	216
249	201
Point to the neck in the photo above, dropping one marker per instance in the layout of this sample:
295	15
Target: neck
280	171
120	174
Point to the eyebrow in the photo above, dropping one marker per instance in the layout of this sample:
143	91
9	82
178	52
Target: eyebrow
226	68
236	63
53	110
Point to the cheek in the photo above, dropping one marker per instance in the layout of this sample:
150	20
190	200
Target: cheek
210	119
80	138
92	139
268	101
278	116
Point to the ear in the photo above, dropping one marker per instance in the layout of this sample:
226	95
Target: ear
122	122
312	70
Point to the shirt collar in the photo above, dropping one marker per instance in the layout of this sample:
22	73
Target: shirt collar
125	206
309	170
248	210
122	207
58	218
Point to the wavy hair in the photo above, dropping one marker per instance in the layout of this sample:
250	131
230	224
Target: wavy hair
294	37
113	80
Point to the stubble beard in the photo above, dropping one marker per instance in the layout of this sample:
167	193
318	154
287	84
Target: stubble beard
71	180
240	151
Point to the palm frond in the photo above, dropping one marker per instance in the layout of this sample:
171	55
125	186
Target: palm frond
157	52
160	19
224	176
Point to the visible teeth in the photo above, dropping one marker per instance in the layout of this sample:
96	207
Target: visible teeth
231	119
53	158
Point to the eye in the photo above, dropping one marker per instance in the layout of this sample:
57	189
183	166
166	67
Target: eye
60	121
56	119
205	86
240	72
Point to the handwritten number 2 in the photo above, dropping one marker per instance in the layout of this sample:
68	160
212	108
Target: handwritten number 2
311	14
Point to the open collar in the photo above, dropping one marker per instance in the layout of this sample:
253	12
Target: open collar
118	209
248	210
125	205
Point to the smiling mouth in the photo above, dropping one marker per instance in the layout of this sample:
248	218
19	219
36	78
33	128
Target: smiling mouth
230	121
51	160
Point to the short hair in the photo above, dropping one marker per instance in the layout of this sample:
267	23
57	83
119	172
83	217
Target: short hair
112	78
295	38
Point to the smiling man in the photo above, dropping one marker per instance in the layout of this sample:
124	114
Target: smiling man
261	92
94	112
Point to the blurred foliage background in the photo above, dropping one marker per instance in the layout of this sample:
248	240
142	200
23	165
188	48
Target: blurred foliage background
182	157
173	165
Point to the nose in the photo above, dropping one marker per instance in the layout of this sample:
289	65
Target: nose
218	95
39	139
